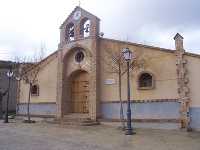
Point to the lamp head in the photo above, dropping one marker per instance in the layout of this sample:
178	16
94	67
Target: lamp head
127	54
9	74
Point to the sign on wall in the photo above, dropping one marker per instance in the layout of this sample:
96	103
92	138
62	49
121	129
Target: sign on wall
109	81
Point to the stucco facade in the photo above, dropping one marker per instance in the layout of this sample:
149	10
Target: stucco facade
157	62
165	101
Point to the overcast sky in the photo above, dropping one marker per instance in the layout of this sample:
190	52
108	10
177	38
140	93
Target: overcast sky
27	24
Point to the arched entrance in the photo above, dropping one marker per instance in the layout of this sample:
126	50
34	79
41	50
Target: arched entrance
80	92
77	95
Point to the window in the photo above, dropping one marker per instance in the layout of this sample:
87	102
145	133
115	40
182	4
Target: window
79	56
145	81
35	90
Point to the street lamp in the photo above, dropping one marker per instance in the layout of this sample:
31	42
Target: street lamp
9	75
127	54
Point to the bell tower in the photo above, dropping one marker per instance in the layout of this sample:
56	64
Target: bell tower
79	33
79	25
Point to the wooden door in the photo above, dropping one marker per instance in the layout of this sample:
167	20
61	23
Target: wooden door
80	93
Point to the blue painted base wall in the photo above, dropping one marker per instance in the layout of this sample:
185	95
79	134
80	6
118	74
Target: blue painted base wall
151	110
195	117
37	109
147	110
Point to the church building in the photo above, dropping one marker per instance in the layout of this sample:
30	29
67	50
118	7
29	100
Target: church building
82	78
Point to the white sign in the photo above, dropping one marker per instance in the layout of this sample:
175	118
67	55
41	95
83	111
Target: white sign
109	81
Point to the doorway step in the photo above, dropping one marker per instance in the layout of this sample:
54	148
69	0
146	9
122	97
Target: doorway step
78	119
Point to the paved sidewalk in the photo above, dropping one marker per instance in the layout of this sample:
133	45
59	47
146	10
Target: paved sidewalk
43	136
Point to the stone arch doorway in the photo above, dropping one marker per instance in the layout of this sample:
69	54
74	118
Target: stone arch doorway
71	98
79	92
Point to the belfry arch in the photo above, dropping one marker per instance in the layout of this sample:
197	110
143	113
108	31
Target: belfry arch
69	32
85	27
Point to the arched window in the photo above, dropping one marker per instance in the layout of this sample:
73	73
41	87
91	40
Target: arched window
79	56
85	27
69	32
35	90
145	81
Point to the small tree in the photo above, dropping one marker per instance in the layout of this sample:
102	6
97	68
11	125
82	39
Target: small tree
28	72
115	63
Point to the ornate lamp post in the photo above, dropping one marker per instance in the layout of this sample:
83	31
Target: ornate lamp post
127	54
9	75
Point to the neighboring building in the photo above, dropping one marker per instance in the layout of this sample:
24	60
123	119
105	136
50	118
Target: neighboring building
4	68
75	78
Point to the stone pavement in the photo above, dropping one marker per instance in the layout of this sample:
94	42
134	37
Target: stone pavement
43	136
